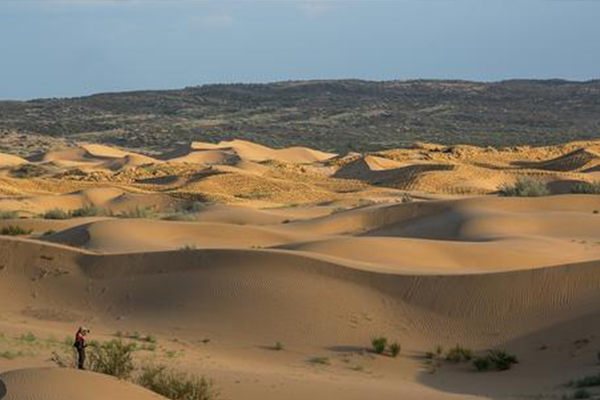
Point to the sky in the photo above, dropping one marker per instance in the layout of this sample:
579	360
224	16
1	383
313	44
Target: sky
51	48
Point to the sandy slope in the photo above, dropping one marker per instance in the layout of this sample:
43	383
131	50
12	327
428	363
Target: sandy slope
321	257
64	384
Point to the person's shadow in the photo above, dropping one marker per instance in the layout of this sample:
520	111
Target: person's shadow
2	390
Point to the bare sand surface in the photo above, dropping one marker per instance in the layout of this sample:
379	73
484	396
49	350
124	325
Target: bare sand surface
220	251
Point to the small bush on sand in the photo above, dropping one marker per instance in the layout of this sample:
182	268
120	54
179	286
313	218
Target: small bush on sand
278	346
8	215
86	211
14	230
176	386
481	363
112	358
379	344
65	359
500	360
180	217
320	360
49	232
525	187
459	354
586	381
11	355
586	188
55	213
582	394
137	212
394	349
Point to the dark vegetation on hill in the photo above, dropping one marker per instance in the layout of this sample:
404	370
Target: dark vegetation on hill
329	115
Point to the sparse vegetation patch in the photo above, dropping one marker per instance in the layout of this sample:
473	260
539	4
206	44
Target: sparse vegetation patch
525	187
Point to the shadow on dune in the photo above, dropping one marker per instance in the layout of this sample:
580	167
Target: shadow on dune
2	390
548	359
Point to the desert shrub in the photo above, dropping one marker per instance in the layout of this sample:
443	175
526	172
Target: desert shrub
28	337
379	344
9	215
137	212
49	232
14	230
586	188
395	349
180	217
320	360
65	359
407	198
278	346
195	206
586	381
11	355
582	394
188	247
86	211
29	171
525	187
176	386
149	339
459	354
481	363
112	358
501	359
55	213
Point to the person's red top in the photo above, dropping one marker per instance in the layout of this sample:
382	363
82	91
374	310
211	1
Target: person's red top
79	338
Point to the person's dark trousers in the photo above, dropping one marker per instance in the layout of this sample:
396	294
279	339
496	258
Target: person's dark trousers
81	358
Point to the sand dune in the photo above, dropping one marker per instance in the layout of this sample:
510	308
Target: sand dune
227	152
64	384
246	246
8	160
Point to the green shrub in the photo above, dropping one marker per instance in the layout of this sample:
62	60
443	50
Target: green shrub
195	206
481	363
320	360
582	394
86	211
180	217
379	344
137	212
501	359
439	350
11	355
278	346
459	354
150	339
28	337
55	213
66	359
176	386
586	188
395	349
525	187
9	215
112	358
14	230
49	232
586	381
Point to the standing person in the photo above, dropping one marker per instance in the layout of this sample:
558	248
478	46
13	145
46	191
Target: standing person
80	345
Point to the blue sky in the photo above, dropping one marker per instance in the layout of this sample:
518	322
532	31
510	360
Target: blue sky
76	47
